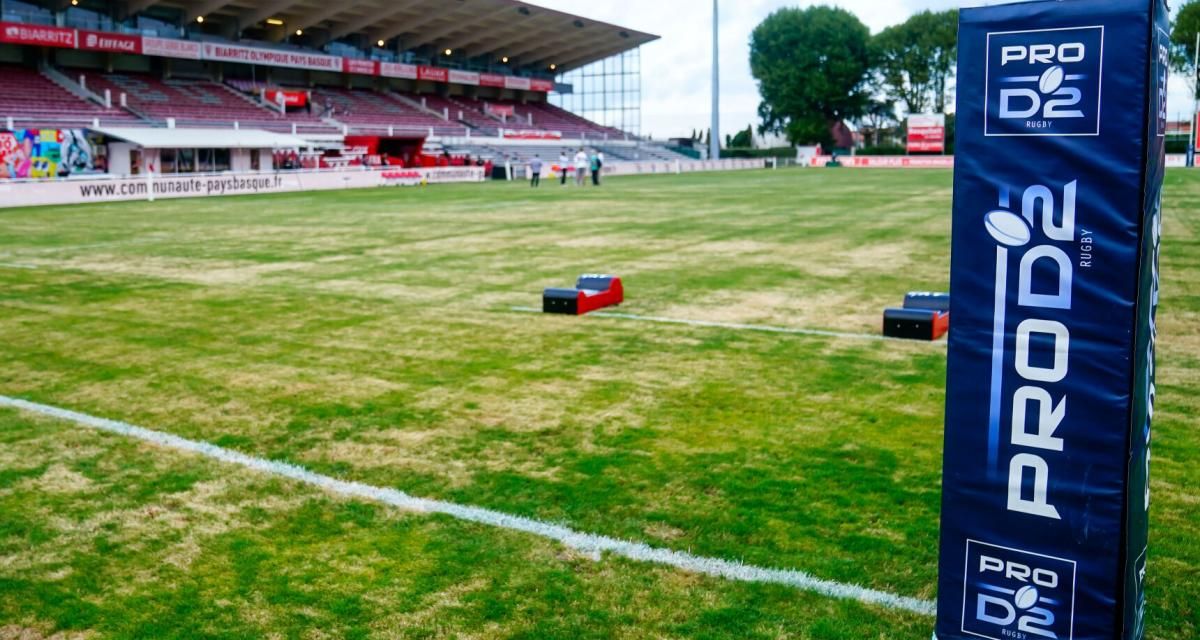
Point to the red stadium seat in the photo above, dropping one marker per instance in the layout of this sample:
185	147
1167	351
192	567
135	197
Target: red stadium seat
366	110
199	103
34	101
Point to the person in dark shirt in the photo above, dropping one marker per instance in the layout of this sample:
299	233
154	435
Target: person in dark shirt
595	163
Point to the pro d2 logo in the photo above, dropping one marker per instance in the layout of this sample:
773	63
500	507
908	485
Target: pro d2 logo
1045	82
1009	594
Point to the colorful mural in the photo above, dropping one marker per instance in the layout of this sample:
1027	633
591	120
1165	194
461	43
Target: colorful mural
50	153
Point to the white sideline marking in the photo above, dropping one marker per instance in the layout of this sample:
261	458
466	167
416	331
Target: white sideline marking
587	543
13	265
742	327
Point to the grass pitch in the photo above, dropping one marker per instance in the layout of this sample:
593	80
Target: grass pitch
369	335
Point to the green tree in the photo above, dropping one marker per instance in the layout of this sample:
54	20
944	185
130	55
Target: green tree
898	56
951	128
1183	42
879	114
744	139
915	60
811	66
942	32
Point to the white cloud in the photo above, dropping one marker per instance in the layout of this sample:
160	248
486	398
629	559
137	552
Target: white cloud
676	70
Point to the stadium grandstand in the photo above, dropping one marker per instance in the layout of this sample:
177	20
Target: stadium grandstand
467	81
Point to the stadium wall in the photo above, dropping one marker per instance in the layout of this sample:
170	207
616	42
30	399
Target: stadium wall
33	193
22	193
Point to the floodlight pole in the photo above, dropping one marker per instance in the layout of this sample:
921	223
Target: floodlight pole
1195	84
714	142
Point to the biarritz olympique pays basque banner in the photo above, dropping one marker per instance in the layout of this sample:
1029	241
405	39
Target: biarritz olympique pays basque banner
1054	284
67	38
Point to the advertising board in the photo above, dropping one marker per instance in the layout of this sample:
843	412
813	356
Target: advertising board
927	133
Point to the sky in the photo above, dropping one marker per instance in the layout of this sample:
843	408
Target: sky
676	70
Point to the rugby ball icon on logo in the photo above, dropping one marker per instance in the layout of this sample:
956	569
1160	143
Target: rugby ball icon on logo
1026	597
1007	228
1051	80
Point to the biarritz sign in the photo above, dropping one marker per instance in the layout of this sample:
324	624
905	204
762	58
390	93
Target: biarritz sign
36	34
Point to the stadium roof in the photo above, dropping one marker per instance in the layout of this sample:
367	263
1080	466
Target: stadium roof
203	138
531	36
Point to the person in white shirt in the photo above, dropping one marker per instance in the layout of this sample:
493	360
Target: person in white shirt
564	167
581	167
535	170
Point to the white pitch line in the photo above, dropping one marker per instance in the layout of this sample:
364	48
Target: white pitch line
13	265
588	543
742	327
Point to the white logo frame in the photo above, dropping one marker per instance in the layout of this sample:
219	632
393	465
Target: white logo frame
967	569
987	85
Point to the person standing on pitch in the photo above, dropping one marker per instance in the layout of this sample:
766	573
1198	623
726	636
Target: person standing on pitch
581	167
596	163
535	167
564	167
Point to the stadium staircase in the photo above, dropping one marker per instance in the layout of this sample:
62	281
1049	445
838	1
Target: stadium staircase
251	98
620	154
301	121
552	118
522	154
32	99
366	111
646	152
536	116
200	103
416	104
80	91
462	112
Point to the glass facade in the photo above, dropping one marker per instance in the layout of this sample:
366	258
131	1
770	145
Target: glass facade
608	92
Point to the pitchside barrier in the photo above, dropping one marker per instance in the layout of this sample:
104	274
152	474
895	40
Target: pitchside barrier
886	162
681	166
1054	286
1175	160
661	167
149	187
